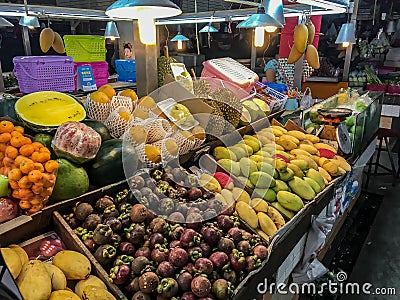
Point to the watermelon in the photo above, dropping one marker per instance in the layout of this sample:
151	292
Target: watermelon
108	165
99	127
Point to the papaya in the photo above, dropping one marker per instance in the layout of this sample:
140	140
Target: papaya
301	37
290	201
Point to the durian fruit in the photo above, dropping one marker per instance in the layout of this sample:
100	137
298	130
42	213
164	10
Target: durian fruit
202	88
216	123
163	66
229	104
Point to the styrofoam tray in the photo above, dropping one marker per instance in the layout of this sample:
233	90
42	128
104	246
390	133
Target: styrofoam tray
166	106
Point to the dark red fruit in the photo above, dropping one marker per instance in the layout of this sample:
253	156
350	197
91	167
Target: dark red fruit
226	245
225	222
260	251
143	251
190	238
201	286
184	281
204	266
219	259
210	235
188	296
148	282
156	238
235	234
220	289
178	257
244	246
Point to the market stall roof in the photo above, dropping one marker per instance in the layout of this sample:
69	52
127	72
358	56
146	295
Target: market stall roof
315	7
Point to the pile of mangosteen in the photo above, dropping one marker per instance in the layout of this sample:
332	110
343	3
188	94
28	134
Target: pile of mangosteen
165	249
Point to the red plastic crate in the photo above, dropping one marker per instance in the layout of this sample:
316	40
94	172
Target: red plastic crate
377	87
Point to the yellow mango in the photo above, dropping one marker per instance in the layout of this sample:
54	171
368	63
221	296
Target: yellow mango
294	55
74	265
46	39
58	279
310	149
266	224
324	174
63	295
301	37
276	217
91	280
312	57
247	214
12	261
34	282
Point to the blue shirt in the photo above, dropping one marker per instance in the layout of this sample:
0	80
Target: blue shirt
274	65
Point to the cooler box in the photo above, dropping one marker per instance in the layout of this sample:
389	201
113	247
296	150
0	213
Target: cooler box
44	73
85	48
126	69
229	69
100	71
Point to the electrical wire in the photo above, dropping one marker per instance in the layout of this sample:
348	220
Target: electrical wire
166	41
197	30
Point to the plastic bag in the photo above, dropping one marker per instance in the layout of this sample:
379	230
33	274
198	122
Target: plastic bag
307	100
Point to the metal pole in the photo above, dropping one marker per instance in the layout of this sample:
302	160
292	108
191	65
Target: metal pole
298	73
2	88
253	51
146	64
349	50
26	41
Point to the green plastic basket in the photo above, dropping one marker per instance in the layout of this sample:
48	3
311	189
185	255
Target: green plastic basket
85	48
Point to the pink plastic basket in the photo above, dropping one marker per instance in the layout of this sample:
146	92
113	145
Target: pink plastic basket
44	73
100	71
229	69
377	87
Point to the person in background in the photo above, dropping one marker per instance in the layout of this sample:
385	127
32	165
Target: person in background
128	51
274	72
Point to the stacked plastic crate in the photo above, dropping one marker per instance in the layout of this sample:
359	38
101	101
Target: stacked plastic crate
89	50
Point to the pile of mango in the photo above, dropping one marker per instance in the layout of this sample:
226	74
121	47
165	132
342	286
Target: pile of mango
285	168
39	280
256	212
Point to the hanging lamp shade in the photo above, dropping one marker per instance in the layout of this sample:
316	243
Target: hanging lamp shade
274	8
179	37
346	34
260	19
391	27
134	9
208	28
29	21
5	23
111	30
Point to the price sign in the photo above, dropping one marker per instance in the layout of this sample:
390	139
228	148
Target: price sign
85	81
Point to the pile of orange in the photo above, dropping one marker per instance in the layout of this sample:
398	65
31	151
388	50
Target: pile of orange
28	166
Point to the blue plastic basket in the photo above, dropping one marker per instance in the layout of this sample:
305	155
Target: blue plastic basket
126	69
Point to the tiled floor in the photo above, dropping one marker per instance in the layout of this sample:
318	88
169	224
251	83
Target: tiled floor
379	259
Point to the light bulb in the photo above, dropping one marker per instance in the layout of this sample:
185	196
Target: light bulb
112	38
270	29
147	30
31	27
345	44
180	45
259	37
